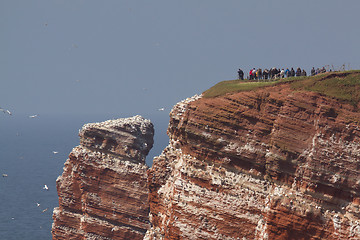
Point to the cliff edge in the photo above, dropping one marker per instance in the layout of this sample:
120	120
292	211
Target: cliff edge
274	162
103	191
261	160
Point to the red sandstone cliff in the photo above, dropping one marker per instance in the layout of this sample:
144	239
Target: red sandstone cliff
103	192
271	163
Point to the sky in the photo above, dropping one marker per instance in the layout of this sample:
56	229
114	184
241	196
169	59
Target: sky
129	57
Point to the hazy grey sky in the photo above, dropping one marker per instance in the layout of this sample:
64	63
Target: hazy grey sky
133	57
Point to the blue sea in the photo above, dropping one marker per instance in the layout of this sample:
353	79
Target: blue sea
26	156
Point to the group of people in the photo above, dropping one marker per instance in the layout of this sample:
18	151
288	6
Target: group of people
275	73
318	70
272	73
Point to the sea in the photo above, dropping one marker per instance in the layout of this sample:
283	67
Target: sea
32	154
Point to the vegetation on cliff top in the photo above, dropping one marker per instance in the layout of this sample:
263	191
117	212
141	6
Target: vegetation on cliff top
341	85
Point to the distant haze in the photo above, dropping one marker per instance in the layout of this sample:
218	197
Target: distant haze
135	57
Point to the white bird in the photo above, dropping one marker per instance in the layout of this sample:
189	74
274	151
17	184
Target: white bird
33	116
5	111
38	204
161	109
55	152
45	187
4	175
44	210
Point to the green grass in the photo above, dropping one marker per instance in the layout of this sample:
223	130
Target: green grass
234	86
344	86
341	85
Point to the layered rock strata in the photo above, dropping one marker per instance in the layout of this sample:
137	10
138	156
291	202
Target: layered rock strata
103	191
266	164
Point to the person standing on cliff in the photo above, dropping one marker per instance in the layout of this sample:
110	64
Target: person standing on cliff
282	73
266	73
241	74
287	72
313	71
303	73
259	74
292	72
251	74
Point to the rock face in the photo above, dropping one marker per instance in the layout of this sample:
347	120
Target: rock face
103	191
271	163
266	164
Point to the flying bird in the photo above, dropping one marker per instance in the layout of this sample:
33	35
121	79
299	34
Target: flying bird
5	111
38	204
45	187
55	152
44	210
161	109
33	116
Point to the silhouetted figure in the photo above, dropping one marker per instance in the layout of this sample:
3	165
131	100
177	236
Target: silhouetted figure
241	74
292	72
298	72
303	73
271	73
313	72
266	73
287	72
274	73
259	74
277	73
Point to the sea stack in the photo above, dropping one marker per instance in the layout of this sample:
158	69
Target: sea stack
103	191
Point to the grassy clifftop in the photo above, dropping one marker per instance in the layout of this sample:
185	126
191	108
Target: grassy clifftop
341	85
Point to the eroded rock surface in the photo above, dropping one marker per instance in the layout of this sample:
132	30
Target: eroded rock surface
272	163
103	191
266	164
